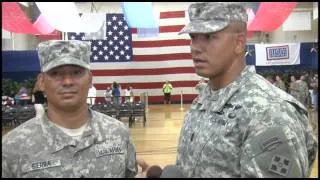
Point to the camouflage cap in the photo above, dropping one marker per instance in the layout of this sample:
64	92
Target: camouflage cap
210	17
56	53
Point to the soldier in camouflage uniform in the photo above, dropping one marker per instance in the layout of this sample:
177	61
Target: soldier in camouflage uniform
240	125
293	87
280	84
302	90
69	140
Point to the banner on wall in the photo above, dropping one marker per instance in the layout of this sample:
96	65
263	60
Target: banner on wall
277	54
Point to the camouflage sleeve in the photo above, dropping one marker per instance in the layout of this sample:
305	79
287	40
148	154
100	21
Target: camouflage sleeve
131	164
5	173
279	150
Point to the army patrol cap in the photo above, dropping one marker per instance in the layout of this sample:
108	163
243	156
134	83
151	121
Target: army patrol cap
210	17
56	53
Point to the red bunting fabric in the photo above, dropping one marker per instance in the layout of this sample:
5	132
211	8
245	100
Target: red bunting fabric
14	19
271	15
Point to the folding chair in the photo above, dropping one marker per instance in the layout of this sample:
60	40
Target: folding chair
111	109
25	113
125	110
139	110
8	118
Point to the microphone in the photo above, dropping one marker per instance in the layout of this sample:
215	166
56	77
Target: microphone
171	171
154	172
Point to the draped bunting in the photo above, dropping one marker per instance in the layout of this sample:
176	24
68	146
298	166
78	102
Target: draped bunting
64	16
139	14
251	16
271	15
43	26
14	19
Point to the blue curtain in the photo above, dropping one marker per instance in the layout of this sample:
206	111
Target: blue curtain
20	65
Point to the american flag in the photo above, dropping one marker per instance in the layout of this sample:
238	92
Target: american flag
144	63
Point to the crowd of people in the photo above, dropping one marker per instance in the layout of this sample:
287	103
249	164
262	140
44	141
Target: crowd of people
303	86
113	94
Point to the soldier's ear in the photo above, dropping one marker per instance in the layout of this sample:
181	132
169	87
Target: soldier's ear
90	79
40	78
240	43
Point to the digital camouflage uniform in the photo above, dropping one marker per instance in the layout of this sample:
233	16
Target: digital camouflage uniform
37	148
248	128
303	91
281	85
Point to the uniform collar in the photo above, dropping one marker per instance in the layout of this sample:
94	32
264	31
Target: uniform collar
57	139
222	96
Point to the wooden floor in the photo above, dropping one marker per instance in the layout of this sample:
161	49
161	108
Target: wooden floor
157	142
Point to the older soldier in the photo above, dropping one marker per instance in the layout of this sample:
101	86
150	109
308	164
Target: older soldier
240	125
69	139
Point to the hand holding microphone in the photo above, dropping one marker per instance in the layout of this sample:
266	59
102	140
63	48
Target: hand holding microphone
170	171
144	166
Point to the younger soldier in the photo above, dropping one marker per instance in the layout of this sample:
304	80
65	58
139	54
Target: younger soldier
240	125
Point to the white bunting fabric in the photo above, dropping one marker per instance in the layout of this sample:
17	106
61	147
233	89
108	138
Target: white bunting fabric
64	17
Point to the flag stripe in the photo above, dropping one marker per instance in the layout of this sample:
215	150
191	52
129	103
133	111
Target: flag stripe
164	29
128	72
143	65
147	79
161	43
161	50
161	36
172	14
151	85
156	91
163	57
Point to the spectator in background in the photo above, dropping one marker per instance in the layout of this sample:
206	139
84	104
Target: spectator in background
131	94
303	91
279	83
108	94
270	79
293	89
314	85
167	89
116	92
38	98
92	93
127	93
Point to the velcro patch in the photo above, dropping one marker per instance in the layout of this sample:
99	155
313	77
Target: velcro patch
280	165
